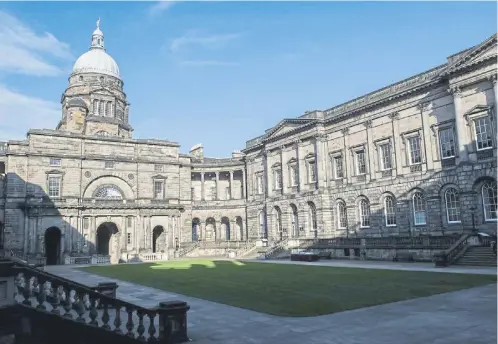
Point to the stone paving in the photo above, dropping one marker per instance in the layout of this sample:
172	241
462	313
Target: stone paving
463	317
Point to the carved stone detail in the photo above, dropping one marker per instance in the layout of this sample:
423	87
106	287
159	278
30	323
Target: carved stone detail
88	174
345	131
131	176
368	123
455	91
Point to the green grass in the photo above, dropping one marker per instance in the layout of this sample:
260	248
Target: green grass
288	289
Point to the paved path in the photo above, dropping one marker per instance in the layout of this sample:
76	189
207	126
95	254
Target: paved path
463	317
368	264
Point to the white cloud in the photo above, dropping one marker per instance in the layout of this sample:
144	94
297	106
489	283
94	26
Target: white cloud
160	7
19	113
193	38
26	52
204	63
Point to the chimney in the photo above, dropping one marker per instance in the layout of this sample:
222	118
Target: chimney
197	151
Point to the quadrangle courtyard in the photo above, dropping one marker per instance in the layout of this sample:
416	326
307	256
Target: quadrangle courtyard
253	302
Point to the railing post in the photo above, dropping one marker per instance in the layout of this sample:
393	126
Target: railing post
7	284
173	322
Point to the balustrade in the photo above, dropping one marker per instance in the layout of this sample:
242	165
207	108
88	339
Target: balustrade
57	296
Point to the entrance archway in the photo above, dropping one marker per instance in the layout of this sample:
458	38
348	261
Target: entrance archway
103	239
52	245
225	222
156	233
195	229
240	227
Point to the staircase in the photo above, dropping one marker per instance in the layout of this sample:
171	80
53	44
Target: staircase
49	309
277	251
477	256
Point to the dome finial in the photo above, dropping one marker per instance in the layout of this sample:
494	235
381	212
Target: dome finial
98	23
97	37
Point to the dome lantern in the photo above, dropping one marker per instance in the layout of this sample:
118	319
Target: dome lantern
96	59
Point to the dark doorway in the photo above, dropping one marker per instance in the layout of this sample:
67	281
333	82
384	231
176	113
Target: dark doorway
195	229
52	245
156	232
104	234
226	222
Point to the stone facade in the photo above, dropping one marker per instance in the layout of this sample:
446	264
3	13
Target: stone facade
418	156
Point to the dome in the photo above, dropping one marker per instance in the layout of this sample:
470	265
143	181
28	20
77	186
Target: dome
96	61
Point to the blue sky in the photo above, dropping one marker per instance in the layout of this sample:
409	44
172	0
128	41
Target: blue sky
220	73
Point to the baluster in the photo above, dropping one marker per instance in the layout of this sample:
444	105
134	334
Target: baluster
25	290
68	304
141	327
93	313
152	328
55	300
79	307
41	297
129	325
105	317
117	320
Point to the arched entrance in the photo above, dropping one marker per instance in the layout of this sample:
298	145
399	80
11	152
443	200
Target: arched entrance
53	245
103	239
294	220
240	226
211	229
156	233
195	229
226	224
277	221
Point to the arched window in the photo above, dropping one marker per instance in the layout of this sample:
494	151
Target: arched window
389	211
108	192
364	213
419	209
342	217
102	108
95	107
452	201
312	222
489	201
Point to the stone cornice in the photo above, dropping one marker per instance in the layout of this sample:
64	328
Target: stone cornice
58	133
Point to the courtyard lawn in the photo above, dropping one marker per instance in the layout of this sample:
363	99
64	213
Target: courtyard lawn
288	289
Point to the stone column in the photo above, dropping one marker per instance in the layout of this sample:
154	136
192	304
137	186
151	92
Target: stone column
347	163
461	131
217	185
32	235
370	152
37	234
298	165
124	230
426	145
202	187
495	87
232	196
136	235
396	144
243	188
26	233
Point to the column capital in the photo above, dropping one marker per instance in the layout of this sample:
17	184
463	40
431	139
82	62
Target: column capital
425	106
455	91
345	131
394	115
368	123
493	78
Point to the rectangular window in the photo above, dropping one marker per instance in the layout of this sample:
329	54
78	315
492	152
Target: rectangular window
227	193
54	186
86	223
158	189
338	172
385	156
259	183
277	178
55	162
311	171
482	127
128	238
361	167
129	222
294	175
447	143
109	164
415	156
158	168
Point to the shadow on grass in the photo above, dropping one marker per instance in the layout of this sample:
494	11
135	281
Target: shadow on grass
289	289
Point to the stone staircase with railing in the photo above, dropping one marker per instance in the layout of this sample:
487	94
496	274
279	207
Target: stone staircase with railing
477	256
42	308
279	250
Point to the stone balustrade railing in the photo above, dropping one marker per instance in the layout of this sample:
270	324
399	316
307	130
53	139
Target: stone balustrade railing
42	292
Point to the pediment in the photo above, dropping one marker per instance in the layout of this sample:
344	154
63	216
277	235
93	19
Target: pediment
479	53
285	126
103	91
478	109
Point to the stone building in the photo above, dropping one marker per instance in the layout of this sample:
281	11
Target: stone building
417	156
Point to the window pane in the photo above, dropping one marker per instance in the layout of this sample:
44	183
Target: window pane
360	162
385	156
338	167
452	202
489	201
415	156
483	133
389	211
447	143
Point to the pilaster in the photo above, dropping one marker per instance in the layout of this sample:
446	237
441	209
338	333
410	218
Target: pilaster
462	137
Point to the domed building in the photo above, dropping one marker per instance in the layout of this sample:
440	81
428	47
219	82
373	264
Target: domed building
416	158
